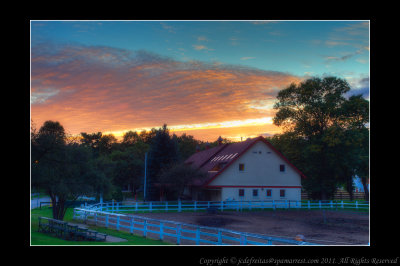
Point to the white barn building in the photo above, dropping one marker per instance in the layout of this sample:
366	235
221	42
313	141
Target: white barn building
252	170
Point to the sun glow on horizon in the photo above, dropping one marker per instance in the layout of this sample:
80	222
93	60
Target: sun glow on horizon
203	126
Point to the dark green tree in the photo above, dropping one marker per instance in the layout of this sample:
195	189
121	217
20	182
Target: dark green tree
92	141
175	178
356	112
130	138
315	113
162	154
129	165
148	136
63	170
107	143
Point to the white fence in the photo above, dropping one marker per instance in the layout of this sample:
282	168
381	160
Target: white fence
179	206
110	215
180	233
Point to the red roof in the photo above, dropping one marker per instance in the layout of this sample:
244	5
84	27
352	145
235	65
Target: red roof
221	157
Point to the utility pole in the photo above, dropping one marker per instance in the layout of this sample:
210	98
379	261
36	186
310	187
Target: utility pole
145	174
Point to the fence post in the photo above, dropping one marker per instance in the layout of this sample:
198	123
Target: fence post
309	207
342	205
117	206
145	228
208	204
243	240
161	230
273	204
198	235
166	206
356	204
179	206
178	234
286	204
320	205
136	206
222	205
195	205
118	217
113	206
331	204
131	227
151	206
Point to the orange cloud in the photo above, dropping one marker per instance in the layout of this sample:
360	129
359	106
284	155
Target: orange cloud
90	89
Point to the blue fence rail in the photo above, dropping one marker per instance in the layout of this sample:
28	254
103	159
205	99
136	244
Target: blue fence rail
177	232
179	206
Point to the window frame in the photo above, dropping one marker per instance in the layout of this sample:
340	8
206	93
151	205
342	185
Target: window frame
243	166
284	193
266	193
282	168
241	190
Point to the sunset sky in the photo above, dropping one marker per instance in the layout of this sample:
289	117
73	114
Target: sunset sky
205	78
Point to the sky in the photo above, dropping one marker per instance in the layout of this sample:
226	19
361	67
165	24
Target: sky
203	78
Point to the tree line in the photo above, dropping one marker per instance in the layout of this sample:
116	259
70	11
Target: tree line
96	164
325	135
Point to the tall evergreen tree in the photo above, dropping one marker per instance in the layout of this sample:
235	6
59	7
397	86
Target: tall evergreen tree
162	154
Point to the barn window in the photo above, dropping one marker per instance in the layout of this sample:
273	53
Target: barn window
282	168
255	192
282	193
241	192
241	167
269	192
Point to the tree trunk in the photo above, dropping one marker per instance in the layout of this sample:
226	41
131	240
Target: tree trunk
366	191
350	187
58	209
324	195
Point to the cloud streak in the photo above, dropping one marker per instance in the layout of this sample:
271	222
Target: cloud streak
98	88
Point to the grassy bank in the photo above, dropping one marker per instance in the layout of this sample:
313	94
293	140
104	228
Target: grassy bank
45	239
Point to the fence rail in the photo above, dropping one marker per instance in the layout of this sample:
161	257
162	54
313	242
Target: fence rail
179	206
180	233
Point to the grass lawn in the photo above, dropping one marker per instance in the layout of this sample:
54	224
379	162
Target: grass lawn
45	239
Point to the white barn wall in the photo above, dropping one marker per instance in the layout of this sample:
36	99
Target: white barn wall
260	170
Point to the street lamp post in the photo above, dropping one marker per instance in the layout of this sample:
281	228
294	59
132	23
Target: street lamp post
145	175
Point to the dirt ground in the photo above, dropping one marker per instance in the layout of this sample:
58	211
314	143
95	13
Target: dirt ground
338	227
